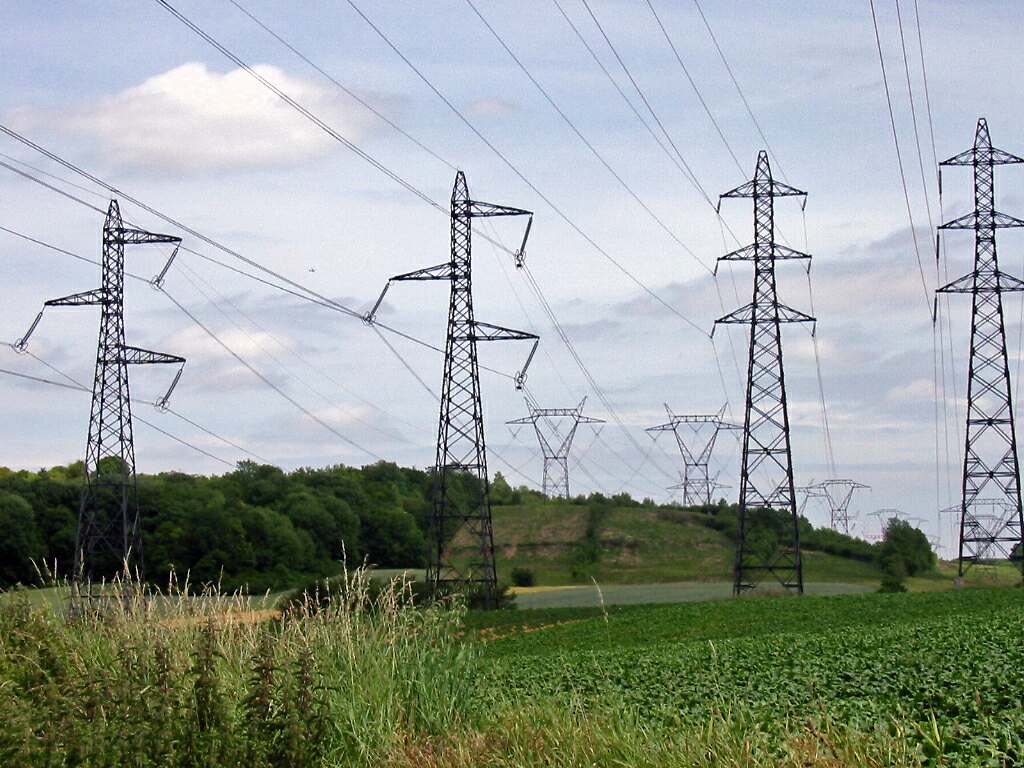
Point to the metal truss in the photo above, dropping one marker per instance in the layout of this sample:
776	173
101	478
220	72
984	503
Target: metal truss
461	447
554	445
766	475
109	536
695	435
991	472
837	495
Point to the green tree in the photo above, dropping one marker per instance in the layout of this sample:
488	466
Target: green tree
904	551
20	542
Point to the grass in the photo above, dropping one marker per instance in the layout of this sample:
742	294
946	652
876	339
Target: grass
594	595
941	670
178	680
175	680
631	545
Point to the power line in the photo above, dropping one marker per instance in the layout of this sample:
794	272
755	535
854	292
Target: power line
230	351
899	160
696	90
79	387
193	279
913	117
643	97
353	94
586	142
242	361
583	138
306	294
512	167
739	90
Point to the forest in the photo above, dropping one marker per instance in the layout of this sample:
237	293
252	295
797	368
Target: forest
259	527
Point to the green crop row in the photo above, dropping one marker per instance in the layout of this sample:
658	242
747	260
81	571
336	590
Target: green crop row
955	681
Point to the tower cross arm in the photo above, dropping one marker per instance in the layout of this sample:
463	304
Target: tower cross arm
749	253
766	187
139	356
523	420
444	271
669	427
437	272
479	209
500	333
83	299
130	236
971	221
782	314
970	156
972	282
488	332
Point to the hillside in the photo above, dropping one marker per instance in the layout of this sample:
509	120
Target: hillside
574	543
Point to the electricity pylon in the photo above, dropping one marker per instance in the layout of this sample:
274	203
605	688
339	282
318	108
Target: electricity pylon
109	536
838	494
696	435
554	446
713	486
885	516
812	491
991	470
461	448
766	475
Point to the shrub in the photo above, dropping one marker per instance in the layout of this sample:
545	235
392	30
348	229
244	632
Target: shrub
523	577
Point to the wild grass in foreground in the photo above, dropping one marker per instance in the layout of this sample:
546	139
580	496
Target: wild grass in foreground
372	680
167	680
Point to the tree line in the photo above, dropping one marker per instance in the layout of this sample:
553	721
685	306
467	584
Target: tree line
259	527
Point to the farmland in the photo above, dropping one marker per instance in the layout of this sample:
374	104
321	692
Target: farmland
929	678
943	669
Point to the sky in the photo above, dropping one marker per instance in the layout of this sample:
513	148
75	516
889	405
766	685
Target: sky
620	248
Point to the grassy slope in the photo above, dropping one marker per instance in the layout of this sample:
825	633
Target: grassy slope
638	545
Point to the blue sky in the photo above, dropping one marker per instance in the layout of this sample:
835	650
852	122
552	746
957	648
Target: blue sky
126	91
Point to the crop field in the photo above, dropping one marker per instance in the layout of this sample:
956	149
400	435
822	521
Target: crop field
375	679
944	670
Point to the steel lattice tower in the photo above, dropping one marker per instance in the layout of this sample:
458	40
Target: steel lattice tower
766	474
838	494
696	435
461	447
556	448
109	537
991	471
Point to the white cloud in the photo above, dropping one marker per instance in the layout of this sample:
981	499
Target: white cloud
491	108
251	346
191	119
916	391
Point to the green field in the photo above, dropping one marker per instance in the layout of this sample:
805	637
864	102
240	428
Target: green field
915	679
945	670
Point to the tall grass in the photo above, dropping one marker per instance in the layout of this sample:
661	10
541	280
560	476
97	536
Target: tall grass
169	679
166	679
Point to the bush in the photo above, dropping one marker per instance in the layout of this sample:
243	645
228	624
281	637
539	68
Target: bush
523	577
892	578
905	550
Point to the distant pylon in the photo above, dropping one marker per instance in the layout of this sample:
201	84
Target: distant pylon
461	448
695	435
554	445
838	494
766	475
991	471
713	486
885	517
109	536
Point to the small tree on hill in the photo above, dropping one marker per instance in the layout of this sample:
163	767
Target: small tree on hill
904	551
